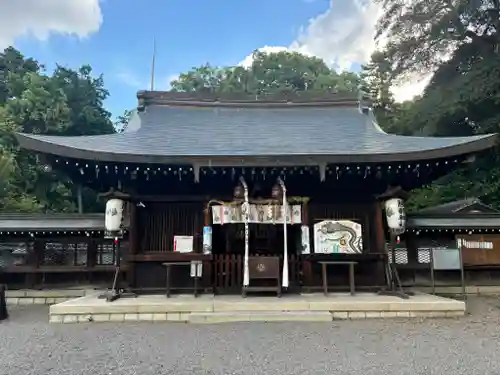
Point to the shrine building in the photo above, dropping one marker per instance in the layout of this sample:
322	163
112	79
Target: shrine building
249	185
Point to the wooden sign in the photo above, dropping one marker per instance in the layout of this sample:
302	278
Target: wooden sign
479	250
183	244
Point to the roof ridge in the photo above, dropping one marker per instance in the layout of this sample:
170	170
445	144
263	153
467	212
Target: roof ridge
297	99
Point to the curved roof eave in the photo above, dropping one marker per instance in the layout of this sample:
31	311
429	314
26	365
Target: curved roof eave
55	146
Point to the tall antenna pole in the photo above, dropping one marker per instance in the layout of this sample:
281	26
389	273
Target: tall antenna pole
153	66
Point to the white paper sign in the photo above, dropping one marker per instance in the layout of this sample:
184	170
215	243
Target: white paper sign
183	244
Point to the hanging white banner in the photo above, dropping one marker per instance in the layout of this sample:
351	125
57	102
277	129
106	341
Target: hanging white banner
258	214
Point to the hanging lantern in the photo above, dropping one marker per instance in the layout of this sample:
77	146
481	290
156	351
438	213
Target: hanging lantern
396	216
238	192
113	220
276	192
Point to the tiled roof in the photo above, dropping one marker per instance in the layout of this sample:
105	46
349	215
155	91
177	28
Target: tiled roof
177	133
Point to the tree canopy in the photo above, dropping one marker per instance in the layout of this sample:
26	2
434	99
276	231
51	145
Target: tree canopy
268	74
65	102
457	41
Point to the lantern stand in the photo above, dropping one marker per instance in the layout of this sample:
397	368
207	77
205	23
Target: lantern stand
114	229
394	287
115	292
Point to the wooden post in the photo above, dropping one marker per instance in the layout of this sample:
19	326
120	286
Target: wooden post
133	243
379	228
306	261
79	199
380	242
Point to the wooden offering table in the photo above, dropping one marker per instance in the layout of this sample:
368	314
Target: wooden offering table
324	274
196	272
262	268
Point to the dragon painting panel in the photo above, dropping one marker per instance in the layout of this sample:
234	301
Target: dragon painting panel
338	236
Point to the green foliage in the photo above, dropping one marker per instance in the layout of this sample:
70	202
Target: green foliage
66	102
458	41
269	73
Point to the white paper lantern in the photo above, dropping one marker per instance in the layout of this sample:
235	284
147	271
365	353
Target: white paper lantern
396	216
114	215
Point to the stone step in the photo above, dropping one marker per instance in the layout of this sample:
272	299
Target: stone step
260	316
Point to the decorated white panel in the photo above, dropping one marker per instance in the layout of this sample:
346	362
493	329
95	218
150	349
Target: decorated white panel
259	214
338	236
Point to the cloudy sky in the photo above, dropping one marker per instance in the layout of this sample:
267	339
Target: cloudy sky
116	36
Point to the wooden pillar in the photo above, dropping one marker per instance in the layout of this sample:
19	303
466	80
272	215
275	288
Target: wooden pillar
380	243
306	259
379	228
133	243
79	199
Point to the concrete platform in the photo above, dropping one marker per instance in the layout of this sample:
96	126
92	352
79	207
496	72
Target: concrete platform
217	309
45	296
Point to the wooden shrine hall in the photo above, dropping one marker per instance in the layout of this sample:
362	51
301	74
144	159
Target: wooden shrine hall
254	192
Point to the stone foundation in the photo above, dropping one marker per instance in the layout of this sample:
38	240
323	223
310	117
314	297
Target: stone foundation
210	309
45	297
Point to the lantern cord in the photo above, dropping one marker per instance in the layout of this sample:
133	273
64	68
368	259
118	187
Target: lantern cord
285	236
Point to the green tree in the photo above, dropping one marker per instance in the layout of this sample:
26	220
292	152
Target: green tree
121	121
458	41
66	102
270	73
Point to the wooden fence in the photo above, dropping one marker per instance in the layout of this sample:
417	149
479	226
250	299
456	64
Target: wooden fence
227	272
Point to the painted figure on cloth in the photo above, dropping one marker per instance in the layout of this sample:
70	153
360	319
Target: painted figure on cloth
338	236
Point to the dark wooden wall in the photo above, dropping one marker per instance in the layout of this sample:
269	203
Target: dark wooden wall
157	224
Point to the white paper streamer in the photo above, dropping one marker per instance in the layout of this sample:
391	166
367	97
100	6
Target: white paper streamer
285	239
245	211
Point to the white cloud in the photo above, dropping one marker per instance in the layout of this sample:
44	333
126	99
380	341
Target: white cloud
343	36
131	79
168	80
247	61
41	18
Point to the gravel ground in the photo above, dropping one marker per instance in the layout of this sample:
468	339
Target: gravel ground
470	345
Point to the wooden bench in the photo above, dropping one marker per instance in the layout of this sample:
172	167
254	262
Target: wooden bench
325	264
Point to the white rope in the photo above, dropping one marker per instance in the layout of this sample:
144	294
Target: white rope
285	236
245	210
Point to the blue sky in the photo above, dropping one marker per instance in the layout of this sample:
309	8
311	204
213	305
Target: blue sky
116	36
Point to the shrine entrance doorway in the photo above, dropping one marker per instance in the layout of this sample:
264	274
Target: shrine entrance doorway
265	241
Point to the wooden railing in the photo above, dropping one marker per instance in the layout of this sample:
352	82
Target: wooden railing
227	272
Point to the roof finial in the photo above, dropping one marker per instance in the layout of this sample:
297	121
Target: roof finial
153	65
